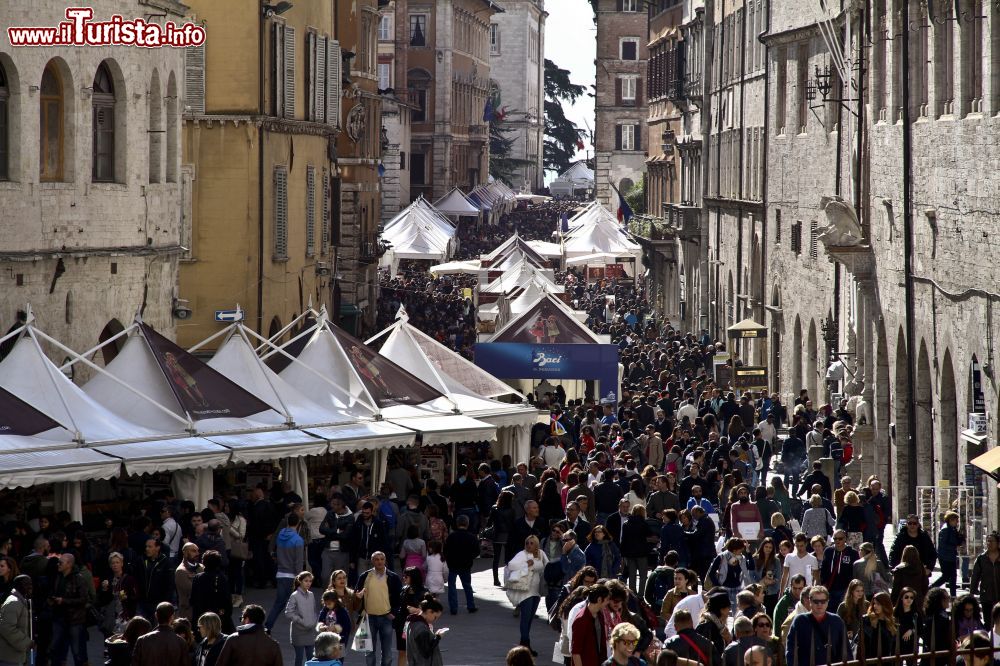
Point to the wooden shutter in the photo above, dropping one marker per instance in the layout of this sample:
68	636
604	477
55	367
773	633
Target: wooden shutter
280	213
310	211
333	82
289	91
638	91
309	69
637	136
618	91
320	80
618	137
621	5
278	69
325	222
194	79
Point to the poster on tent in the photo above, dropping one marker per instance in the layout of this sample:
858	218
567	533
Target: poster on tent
202	391
387	383
514	360
19	418
545	324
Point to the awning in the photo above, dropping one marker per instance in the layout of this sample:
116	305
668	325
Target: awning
256	446
28	468
447	429
364	436
168	455
973	437
989	462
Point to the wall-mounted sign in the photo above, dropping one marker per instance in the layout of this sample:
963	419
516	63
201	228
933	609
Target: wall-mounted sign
750	377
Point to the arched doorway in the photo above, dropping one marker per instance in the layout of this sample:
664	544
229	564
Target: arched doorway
110	330
796	364
774	344
925	424
948	437
812	365
901	450
882	410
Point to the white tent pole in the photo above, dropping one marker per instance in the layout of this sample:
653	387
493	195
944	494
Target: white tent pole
288	327
269	342
267	377
17	331
441	382
373	402
211	337
55	384
280	350
94	350
188	423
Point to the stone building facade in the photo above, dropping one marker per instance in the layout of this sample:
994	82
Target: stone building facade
90	233
620	129
396	113
802	223
517	65
447	72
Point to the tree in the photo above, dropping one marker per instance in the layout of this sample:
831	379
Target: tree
562	136
636	197
503	166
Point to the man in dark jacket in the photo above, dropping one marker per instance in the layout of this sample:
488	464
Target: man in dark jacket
837	570
251	646
793	458
261	525
606	496
487	491
156	578
524	527
367	536
818	637
689	644
914	535
336	528
70	598
162	646
461	549
42	568
817	477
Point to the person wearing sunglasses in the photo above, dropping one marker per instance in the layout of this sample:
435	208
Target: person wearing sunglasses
910	620
818	637
914	535
624	639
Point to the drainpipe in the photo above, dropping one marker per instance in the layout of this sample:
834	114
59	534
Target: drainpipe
718	169
705	282
911	416
261	52
742	164
763	176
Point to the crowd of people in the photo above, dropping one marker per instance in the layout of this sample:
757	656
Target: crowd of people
530	222
674	526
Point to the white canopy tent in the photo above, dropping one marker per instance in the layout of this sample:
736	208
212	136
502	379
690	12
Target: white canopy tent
457	204
518	276
467	385
457	268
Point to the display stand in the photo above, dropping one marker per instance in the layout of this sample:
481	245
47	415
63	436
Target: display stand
934	501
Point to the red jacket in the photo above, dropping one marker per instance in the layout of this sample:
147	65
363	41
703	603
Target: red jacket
586	643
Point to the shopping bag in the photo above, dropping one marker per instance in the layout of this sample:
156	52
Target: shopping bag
557	655
363	637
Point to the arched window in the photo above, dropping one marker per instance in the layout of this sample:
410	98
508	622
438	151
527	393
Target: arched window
4	126
110	350
172	129
104	126
418	82
155	128
50	126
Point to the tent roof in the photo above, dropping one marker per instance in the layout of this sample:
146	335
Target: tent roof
597	237
570	330
546	249
28	374
236	359
270	445
27	468
456	203
167	455
577	171
516	276
453	267
180	382
747	324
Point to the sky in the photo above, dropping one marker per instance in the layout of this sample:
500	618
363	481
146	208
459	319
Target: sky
571	43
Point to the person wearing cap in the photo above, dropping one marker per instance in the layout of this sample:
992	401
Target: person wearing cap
714	620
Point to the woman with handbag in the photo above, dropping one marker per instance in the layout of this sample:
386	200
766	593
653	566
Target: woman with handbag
498	529
524	581
239	551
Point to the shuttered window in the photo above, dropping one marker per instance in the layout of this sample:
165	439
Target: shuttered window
289	92
333	82
310	211
278	70
325	222
194	79
280	213
813	239
319	81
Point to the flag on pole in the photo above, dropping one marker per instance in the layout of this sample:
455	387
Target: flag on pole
488	111
624	210
579	144
557	429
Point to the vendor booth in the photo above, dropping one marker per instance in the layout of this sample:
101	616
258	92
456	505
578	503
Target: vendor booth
549	342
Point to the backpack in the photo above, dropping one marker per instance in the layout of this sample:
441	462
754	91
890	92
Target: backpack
388	516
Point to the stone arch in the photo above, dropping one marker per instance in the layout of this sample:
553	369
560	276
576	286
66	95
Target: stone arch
625	185
774	344
948	421
882	409
10	120
154	109
900	480
812	365
172	129
119	122
57	100
925	423
796	364
110	350
273	328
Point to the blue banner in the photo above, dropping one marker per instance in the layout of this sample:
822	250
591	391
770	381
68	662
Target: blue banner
513	360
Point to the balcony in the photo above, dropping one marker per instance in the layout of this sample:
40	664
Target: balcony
370	248
650	228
